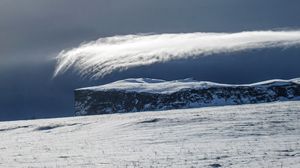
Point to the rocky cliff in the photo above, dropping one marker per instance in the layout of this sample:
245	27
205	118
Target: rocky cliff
141	94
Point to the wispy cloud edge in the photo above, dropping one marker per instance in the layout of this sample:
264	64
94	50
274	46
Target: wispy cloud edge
101	57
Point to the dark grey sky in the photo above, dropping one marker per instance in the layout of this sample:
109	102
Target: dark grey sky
32	32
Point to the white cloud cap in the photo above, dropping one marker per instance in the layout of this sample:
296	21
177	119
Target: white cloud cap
105	55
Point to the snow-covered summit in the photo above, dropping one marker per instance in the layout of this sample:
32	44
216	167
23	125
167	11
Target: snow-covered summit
145	94
152	85
162	86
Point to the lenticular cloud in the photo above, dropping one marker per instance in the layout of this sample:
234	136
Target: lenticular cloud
106	55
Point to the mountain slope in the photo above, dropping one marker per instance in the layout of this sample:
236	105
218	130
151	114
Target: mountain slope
264	135
145	94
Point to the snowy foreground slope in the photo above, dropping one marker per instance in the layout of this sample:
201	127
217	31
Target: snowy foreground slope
264	135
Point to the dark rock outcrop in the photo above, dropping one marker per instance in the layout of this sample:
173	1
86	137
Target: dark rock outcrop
141	95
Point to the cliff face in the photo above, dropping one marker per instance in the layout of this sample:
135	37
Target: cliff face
147	94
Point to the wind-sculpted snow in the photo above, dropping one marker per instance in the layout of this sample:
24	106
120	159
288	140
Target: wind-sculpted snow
143	94
101	57
148	85
252	136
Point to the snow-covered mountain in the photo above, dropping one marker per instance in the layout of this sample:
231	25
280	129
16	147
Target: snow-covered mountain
145	94
252	136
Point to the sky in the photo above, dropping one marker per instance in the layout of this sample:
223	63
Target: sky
34	32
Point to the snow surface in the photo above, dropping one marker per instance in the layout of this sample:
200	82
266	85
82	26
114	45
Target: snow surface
161	86
264	135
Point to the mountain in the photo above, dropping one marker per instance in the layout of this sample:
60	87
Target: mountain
144	94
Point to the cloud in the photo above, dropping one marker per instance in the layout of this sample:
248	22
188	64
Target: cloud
101	57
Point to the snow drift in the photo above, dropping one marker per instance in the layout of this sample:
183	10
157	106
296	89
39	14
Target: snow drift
252	136
101	57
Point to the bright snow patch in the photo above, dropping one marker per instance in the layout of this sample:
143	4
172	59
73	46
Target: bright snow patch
161	86
265	135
